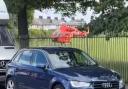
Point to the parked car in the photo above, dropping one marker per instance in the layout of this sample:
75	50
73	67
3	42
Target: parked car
59	68
7	46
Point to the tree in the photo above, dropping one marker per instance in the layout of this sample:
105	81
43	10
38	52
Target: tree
20	7
113	20
30	16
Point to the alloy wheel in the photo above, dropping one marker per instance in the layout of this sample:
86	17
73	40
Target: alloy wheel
10	84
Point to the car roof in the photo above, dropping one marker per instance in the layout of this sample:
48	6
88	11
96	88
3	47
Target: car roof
55	48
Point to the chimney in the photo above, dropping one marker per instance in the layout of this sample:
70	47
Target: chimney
49	19
63	19
56	18
73	18
40	17
82	19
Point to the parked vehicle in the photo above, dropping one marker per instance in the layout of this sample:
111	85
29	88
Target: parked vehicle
59	68
7	47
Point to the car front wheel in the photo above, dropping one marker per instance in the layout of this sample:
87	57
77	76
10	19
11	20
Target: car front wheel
10	84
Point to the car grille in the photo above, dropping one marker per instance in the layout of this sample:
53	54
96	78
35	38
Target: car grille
3	64
106	85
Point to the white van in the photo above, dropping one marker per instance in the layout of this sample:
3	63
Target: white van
7	47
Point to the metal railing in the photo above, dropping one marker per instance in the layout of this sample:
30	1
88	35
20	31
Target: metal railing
111	53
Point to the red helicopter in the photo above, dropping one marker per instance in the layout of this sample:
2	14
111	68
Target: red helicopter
66	33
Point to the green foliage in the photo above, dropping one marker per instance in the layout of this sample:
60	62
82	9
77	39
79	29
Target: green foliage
69	7
21	8
30	16
106	6
113	20
15	6
39	33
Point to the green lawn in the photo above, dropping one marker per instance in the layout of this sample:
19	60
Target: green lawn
111	53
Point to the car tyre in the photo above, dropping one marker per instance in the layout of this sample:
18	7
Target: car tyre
10	84
58	86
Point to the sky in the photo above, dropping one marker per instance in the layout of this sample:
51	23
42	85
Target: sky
46	13
3	11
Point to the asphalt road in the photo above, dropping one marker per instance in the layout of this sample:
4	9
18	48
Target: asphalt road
2	87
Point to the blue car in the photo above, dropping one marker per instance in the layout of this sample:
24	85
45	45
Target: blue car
59	68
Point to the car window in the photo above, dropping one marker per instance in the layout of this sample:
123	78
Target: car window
81	58
39	58
69	58
25	58
57	62
17	57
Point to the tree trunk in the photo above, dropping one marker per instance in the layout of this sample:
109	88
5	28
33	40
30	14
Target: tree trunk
23	28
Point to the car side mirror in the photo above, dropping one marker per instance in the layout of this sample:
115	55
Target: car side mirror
42	66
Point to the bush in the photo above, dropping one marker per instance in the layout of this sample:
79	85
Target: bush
38	33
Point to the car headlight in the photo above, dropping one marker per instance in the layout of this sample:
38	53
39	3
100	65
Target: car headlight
77	84
121	84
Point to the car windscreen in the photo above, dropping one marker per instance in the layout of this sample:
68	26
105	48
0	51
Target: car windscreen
71	58
5	38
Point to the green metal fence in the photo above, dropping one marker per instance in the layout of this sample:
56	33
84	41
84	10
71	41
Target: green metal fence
111	53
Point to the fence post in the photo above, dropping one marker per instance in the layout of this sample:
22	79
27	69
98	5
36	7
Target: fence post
87	45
